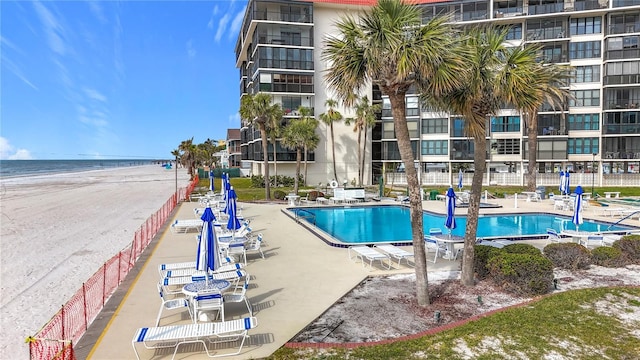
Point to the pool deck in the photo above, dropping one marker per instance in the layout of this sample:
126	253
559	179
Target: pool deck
299	279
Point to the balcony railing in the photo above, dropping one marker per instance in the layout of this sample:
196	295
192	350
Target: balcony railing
545	9
622	79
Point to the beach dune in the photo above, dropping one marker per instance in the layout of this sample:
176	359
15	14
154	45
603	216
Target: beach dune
56	231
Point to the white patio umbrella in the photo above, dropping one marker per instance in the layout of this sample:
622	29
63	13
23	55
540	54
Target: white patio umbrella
577	208
207	256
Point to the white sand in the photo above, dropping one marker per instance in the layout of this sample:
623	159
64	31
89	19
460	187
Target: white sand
56	231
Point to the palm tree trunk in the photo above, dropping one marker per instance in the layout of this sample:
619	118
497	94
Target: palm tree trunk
479	162
532	138
298	159
415	204
275	164
364	156
333	149
306	154
359	155
265	153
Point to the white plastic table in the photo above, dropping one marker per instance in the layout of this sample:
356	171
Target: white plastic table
449	241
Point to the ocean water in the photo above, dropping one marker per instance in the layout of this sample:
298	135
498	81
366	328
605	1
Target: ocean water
21	168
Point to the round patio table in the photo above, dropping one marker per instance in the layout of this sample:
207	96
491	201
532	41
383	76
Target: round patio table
449	241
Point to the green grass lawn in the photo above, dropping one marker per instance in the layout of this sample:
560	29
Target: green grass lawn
246	192
577	324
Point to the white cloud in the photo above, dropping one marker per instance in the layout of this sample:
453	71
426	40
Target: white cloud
52	29
96	9
214	12
236	24
222	26
95	95
7	151
191	51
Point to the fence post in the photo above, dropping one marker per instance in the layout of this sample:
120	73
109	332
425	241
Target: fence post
104	282
84	307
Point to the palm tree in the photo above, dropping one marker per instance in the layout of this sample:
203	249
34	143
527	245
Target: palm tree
311	139
296	136
330	117
389	47
274	133
365	118
548	83
188	157
258	110
496	75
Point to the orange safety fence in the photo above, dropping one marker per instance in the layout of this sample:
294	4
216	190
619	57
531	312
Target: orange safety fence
56	338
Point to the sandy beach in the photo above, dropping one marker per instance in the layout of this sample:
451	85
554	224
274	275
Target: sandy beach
57	230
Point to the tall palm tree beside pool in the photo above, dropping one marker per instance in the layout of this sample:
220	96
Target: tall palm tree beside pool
296	136
495	75
330	117
258	109
390	47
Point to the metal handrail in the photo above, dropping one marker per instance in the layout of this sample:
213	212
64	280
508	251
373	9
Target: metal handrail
309	215
624	218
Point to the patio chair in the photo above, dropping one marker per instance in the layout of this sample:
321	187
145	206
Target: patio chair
553	236
432	244
208	300
435	231
203	333
366	253
396	252
178	303
593	241
254	246
239	294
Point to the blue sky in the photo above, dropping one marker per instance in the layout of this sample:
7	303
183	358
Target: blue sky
109	79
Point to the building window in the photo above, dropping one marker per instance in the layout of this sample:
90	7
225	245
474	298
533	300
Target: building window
515	32
435	147
582	146
505	147
458	127
388	130
588	25
434	126
505	124
584	121
586	74
412	106
552	150
386	107
585	50
585	98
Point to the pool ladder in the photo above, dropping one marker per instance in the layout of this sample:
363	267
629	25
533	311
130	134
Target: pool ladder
304	214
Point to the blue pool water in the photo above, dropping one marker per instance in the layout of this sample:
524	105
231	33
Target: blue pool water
368	224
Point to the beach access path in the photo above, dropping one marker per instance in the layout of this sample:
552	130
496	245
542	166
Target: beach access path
57	230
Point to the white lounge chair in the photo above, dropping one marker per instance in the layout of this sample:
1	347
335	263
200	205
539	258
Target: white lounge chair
203	333
193	272
366	253
396	252
162	268
183	226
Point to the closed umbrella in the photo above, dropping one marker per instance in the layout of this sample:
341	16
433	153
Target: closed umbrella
211	186
227	186
233	223
450	222
577	208
566	183
561	188
460	180
207	256
223	189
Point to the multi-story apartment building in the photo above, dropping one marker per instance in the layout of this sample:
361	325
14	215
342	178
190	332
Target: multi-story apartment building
595	135
233	148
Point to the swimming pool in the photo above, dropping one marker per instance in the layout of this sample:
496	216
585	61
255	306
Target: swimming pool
389	223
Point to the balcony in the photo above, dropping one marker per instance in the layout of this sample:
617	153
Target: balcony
545	8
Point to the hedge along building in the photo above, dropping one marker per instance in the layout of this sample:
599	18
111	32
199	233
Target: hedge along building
596	135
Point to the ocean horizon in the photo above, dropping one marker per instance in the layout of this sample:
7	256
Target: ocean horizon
23	168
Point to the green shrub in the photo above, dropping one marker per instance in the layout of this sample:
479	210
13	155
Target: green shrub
522	274
279	195
481	257
522	249
629	246
607	256
570	256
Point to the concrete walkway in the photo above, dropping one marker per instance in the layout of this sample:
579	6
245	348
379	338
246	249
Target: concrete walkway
299	279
